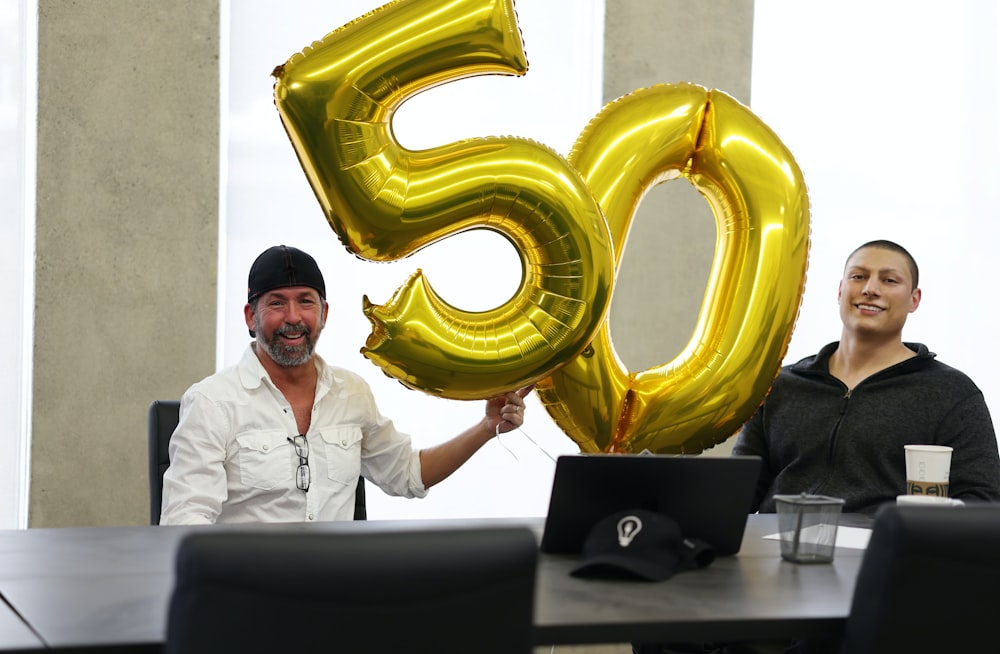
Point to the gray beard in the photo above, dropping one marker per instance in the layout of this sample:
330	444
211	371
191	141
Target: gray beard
287	356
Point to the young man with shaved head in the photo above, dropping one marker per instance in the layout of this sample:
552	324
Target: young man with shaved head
836	423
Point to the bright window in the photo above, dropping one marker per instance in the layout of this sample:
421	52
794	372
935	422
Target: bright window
16	247
893	112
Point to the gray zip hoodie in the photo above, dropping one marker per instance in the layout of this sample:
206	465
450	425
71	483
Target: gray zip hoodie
817	436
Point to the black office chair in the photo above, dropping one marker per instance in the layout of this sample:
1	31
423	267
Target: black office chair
162	419
438	590
929	582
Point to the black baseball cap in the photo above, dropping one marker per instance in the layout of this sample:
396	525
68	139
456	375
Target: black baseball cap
641	544
282	266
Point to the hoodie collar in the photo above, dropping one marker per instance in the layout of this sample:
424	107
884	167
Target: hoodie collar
820	362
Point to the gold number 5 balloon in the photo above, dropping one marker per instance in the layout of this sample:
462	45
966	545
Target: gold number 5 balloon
759	199
337	99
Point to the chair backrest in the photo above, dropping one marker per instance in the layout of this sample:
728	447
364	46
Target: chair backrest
162	419
929	582
363	589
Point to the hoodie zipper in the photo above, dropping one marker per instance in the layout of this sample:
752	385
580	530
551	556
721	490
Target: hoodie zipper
834	432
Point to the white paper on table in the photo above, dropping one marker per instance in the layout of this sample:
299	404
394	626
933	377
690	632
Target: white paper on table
855	538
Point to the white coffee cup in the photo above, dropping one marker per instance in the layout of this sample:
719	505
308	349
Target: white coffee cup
928	500
927	469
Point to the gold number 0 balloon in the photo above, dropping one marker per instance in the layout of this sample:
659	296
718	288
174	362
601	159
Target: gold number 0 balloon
759	199
336	100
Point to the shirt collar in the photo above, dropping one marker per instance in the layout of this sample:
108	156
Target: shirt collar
253	375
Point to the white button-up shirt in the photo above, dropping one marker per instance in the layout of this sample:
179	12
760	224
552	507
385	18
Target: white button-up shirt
231	460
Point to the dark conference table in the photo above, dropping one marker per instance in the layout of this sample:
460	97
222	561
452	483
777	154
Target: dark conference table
110	587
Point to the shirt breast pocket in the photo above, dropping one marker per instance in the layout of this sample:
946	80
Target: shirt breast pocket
342	444
264	459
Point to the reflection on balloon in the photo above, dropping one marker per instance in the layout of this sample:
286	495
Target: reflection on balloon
759	199
384	202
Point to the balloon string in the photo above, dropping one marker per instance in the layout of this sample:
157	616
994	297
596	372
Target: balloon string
536	444
526	435
504	445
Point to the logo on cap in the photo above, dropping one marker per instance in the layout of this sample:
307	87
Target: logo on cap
628	527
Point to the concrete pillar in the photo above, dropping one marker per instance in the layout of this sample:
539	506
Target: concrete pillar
127	242
668	255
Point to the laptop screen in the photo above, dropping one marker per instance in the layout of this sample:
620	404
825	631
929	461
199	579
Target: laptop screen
708	497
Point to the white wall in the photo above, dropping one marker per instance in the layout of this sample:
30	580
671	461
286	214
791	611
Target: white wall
891	109
16	230
269	202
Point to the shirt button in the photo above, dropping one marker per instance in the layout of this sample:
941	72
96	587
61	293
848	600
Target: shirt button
311	516
266	447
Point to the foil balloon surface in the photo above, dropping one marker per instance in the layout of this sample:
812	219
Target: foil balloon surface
758	196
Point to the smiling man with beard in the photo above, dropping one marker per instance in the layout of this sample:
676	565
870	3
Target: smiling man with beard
836	423
283	436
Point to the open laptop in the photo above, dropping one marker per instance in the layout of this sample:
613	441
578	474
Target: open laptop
708	497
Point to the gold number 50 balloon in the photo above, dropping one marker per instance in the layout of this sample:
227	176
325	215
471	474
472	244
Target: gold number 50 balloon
337	99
